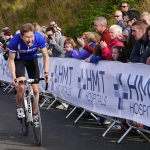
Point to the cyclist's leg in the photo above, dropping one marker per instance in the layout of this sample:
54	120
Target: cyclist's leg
20	74
20	92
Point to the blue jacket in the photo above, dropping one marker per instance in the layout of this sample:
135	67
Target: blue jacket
94	59
82	54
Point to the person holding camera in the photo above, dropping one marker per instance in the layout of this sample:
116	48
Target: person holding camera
54	49
6	36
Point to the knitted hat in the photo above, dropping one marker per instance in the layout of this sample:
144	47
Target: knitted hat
5	31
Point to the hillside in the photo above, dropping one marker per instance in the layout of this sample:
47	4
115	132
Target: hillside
73	16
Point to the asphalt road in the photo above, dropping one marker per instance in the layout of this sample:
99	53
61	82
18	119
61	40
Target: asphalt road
60	133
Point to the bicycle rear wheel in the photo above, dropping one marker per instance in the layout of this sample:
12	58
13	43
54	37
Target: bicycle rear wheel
38	128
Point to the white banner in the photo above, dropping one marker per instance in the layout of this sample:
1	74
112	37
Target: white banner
110	88
4	73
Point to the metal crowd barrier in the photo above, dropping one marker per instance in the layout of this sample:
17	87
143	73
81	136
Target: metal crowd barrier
9	87
114	120
61	100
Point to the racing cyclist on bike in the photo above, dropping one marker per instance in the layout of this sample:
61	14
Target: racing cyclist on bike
23	49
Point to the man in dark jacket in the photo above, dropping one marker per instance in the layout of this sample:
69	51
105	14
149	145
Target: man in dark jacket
139	29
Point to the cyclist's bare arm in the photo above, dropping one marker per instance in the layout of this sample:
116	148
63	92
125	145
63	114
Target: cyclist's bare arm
45	61
11	65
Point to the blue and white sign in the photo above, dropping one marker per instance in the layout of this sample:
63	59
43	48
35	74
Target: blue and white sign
109	88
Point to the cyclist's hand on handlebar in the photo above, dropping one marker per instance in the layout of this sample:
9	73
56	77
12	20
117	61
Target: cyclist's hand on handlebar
14	82
46	77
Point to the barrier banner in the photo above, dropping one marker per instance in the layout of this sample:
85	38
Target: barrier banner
4	73
111	88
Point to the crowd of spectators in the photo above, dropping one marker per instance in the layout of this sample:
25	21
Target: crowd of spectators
126	41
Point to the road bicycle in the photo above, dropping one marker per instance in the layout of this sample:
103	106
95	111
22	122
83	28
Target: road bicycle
28	101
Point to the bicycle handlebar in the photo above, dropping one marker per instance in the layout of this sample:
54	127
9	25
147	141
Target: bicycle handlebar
34	80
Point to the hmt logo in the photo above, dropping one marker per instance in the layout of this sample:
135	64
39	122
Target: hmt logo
62	77
81	84
54	76
90	80
136	89
121	91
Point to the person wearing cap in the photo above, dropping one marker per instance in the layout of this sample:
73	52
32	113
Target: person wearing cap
6	36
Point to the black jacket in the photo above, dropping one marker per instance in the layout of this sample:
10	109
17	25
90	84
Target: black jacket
141	51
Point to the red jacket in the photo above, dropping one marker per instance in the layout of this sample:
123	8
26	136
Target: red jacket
106	51
104	37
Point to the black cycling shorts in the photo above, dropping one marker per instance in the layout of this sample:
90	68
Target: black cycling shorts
31	67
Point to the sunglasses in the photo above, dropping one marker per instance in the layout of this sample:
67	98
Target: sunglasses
124	6
52	25
127	21
116	16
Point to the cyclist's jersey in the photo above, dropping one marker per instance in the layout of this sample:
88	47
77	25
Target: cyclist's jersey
24	52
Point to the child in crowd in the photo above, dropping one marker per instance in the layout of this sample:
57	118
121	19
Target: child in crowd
96	56
118	54
70	45
87	38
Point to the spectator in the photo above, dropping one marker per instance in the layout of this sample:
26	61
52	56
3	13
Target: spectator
89	39
114	31
43	29
125	7
6	36
69	44
146	56
59	37
130	17
53	23
139	31
97	37
38	28
118	54
54	49
96	56
146	16
119	19
100	26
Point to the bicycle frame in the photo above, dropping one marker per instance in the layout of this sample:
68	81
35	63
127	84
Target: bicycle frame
28	94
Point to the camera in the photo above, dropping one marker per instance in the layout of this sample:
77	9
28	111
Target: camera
50	36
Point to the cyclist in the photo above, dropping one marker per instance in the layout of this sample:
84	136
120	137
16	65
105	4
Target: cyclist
23	49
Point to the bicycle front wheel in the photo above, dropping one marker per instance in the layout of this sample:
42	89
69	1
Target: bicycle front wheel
37	127
24	123
24	126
